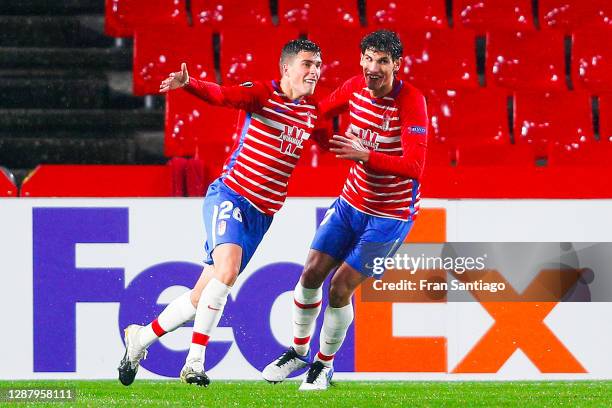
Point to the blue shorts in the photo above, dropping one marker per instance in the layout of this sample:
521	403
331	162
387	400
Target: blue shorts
356	238
231	218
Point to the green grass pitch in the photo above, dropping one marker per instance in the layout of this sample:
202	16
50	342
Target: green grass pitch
342	394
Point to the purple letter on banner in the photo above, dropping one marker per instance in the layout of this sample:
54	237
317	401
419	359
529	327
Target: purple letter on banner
59	285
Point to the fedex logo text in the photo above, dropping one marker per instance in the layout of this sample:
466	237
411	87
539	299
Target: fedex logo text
58	285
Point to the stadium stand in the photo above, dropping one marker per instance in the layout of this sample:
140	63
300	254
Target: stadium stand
571	15
124	16
158	51
192	126
257	58
488	15
439	59
340	58
592	60
71	94
422	14
473	117
553	120
534	60
221	14
306	14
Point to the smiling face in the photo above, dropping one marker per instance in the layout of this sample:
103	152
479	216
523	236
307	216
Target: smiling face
378	71
301	74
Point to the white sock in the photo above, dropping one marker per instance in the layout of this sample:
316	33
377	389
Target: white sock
208	314
179	311
335	324
306	309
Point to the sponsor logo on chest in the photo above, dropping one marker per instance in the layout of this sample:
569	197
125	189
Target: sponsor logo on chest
291	138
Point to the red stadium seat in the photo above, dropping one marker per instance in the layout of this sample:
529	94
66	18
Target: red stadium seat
488	15
589	154
306	14
571	15
195	128
559	119
340	58
469	118
592	60
439	59
605	117
526	60
123	16
395	14
158	51
219	14
7	185
496	155
249	56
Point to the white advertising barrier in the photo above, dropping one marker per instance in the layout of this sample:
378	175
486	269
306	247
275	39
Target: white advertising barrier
73	272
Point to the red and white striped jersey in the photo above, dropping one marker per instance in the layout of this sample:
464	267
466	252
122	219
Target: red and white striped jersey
394	128
270	142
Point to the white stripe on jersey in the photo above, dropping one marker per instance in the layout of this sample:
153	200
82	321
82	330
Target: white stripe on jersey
282	173
360	167
251	148
281	194
361	108
276	125
403	200
282	115
381	185
383	139
381	194
261	142
378	213
254	193
363	98
359	118
252	170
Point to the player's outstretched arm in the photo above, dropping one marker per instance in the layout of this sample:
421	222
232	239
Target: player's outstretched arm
175	80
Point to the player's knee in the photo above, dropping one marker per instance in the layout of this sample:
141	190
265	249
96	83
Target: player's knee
312	276
339	295
227	274
195	296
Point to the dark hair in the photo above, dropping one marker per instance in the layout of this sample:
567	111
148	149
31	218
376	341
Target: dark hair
293	48
383	41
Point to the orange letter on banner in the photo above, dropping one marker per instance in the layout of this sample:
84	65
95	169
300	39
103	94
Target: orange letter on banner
374	324
519	325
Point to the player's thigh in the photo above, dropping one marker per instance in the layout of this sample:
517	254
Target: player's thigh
318	265
336	233
380	239
227	259
343	284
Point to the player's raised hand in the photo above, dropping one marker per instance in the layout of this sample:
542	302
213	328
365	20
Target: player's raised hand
349	147
175	80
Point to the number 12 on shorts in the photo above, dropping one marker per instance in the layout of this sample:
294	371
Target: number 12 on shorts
224	212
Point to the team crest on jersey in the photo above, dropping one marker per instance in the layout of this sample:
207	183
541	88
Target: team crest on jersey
221	227
291	138
386	121
369	138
